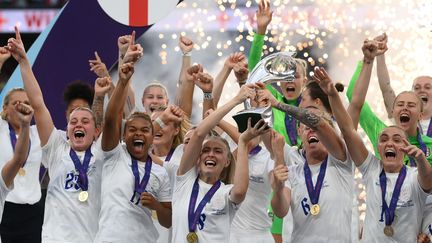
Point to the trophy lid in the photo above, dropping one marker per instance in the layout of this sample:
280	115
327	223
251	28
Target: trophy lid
277	67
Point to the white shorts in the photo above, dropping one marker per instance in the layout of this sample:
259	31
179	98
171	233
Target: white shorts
248	236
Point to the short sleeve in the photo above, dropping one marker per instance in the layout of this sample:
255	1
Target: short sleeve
369	166
164	194
49	150
182	180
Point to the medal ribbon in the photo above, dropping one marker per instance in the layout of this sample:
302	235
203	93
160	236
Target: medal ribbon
429	131
193	216
169	155
389	211
140	186
13	140
423	147
291	125
314	192
255	150
81	168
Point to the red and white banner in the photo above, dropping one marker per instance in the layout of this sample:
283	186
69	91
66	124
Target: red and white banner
29	20
137	12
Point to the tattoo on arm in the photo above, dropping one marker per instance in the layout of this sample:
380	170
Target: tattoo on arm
97	107
304	116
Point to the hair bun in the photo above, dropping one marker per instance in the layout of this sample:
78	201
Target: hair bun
339	87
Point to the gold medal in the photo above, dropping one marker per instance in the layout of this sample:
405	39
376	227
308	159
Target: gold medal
388	230
315	209
83	196
21	172
192	237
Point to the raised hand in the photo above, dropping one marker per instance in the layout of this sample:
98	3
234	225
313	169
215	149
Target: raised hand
126	71
233	59
123	43
192	72
382	43
413	151
324	81
172	114
25	113
260	128
98	67
370	50
134	51
185	44
16	47
204	81
264	16
280	175
245	92
264	97
102	86
4	55
241	72
277	142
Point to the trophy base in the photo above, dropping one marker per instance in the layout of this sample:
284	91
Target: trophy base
255	115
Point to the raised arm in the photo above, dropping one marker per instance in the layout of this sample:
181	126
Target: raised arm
126	55
241	174
204	81
185	88
102	86
10	169
192	152
383	75
112	123
360	89
223	74
354	143
4	56
424	168
42	116
317	122
264	16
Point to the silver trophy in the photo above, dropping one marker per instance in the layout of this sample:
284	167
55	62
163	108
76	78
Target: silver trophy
277	67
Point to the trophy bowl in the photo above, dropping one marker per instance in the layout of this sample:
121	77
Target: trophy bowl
277	67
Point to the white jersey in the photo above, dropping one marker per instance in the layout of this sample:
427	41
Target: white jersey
27	188
252	216
4	190
215	221
292	156
333	223
171	167
427	217
67	219
409	209
424	125
122	217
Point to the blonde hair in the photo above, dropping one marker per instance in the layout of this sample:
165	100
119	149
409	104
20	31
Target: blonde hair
227	174
184	125
303	64
83	108
156	85
6	100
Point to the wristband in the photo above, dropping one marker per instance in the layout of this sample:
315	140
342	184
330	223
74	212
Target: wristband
208	95
160	122
186	54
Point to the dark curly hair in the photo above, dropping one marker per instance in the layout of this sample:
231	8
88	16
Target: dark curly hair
78	90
